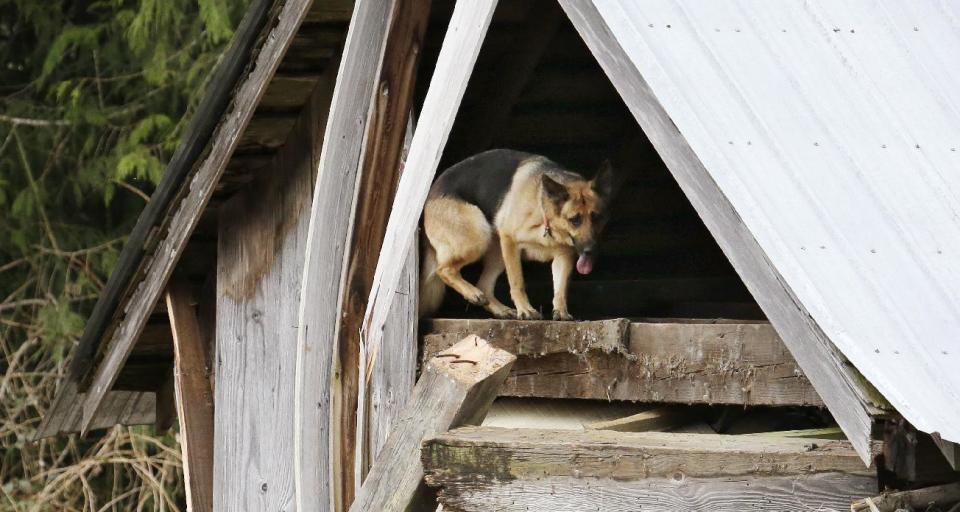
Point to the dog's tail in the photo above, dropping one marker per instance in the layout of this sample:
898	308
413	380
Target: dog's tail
431	287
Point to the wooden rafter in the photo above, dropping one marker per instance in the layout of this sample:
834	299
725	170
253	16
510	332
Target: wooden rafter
174	235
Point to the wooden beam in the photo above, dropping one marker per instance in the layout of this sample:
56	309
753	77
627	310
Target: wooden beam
664	361
461	45
377	178
480	469
654	420
489	117
260	260
385	393
842	388
810	433
175	233
917	499
323	436
456	388
194	398
119	408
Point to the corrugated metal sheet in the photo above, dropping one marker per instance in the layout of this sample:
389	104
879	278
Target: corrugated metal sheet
834	130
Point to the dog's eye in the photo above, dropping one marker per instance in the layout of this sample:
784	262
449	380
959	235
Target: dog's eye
576	220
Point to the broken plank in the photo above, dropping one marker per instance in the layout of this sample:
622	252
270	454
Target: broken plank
456	388
661	361
654	420
480	469
194	397
810	433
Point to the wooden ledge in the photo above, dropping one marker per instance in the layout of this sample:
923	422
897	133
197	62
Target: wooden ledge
677	361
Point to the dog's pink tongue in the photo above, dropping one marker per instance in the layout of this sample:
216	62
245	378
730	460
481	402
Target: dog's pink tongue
584	264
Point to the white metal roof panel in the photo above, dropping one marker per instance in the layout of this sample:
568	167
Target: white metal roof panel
834	130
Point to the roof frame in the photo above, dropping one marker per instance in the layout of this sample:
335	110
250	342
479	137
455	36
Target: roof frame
843	389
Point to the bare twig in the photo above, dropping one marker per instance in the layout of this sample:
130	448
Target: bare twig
24	121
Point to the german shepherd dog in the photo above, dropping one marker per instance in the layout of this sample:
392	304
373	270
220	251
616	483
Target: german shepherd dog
499	206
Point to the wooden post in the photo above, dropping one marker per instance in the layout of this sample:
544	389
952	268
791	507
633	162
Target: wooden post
320	387
379	173
194	398
260	259
461	45
456	388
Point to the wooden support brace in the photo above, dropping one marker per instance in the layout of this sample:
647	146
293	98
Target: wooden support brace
194	398
456	388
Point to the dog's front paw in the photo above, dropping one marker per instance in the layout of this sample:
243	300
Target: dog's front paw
528	313
562	315
504	313
477	298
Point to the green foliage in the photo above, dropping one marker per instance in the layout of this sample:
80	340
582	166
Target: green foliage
94	97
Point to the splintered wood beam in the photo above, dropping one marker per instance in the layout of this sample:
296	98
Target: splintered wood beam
665	361
185	214
489	117
917	499
456	388
481	469
379	172
654	420
194	398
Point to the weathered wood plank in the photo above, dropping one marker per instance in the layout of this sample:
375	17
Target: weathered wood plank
175	234
837	382
480	469
461	45
119	408
455	388
261	247
194	398
378	174
394	377
389	386
668	361
919	499
318	429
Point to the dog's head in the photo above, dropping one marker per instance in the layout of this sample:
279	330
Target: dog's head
577	212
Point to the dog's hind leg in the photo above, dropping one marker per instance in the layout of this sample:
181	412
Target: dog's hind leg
460	235
492	268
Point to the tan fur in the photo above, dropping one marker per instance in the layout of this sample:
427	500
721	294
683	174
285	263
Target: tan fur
460	235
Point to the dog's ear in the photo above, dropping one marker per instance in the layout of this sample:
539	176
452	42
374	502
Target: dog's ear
553	190
602	184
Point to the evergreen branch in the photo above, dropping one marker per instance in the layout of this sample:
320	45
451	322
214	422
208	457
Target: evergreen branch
133	189
24	121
